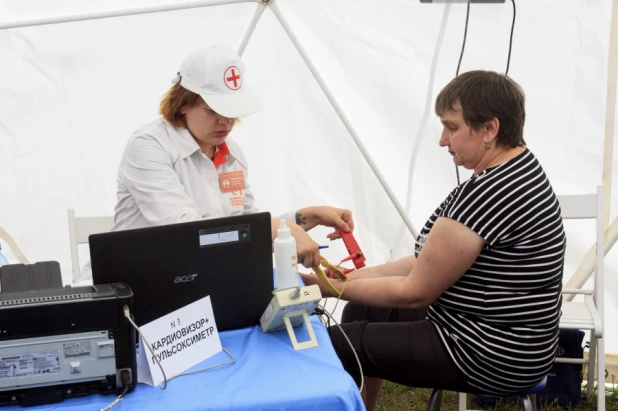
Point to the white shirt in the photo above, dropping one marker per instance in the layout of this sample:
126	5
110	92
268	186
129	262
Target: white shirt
164	178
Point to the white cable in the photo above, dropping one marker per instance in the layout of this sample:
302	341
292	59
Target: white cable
127	314
212	366
360	367
117	400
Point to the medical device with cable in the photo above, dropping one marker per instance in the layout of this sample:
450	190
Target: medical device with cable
292	306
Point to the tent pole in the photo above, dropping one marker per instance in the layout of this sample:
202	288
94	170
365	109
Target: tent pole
346	122
117	13
586	267
610	110
256	17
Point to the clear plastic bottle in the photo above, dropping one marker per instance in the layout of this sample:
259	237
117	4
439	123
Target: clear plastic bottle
286	264
3	260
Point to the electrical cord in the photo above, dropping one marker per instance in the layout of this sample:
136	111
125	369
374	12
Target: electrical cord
322	310
117	400
127	315
508	61
463	47
340	294
212	366
163	386
323	321
420	132
125	379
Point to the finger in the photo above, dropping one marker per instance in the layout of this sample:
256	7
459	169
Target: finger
348	219
315	258
342	225
306	260
334	235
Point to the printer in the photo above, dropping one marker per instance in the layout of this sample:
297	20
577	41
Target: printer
58	342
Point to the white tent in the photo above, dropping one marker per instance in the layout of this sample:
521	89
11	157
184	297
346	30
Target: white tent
71	93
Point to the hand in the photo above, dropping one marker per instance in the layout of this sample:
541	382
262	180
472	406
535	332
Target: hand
307	251
311	279
337	218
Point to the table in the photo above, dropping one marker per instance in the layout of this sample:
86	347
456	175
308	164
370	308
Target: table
268	375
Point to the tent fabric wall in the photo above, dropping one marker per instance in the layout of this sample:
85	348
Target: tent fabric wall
71	94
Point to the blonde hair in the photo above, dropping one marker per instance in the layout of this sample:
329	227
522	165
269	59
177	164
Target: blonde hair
174	100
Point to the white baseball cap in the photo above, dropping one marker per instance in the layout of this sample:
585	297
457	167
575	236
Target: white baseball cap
217	74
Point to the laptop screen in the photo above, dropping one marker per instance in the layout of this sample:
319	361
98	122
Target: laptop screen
170	266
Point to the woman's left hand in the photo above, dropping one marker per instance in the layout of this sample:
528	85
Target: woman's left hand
337	218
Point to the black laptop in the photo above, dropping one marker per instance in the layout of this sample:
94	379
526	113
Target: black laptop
170	266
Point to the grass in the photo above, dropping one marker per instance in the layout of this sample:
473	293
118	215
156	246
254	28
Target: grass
395	397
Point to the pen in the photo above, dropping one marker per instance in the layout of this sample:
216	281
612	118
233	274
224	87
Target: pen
322	247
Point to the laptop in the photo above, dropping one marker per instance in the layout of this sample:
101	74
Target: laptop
170	266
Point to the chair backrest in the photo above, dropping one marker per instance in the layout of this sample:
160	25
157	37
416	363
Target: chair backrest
589	206
80	229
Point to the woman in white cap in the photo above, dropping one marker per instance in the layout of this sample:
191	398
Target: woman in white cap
182	167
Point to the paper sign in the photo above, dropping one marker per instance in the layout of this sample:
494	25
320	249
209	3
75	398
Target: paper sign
179	340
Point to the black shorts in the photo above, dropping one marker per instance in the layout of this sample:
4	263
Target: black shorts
398	345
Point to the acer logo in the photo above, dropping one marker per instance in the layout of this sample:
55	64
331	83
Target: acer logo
185	278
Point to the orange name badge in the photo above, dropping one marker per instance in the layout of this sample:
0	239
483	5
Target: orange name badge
232	181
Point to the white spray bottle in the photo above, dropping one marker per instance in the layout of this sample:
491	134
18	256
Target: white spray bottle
286	264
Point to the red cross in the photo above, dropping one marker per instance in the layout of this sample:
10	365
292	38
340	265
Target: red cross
232	77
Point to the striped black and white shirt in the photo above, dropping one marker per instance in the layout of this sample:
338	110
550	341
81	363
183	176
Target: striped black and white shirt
499	321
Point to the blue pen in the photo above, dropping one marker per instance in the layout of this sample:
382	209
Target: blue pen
322	247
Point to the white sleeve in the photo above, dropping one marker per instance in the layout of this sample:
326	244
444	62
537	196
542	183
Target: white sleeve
148	173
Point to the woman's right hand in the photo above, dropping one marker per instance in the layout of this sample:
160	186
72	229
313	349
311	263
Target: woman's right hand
307	250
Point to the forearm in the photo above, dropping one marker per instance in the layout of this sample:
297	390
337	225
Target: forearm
380	292
306	219
398	268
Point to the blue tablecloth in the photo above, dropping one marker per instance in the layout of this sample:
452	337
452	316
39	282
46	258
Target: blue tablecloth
268	375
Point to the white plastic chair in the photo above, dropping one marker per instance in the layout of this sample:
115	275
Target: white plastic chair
10	243
79	230
589	314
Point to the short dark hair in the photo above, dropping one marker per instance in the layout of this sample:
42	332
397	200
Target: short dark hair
484	95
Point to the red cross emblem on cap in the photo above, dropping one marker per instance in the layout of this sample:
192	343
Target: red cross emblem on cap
232	78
